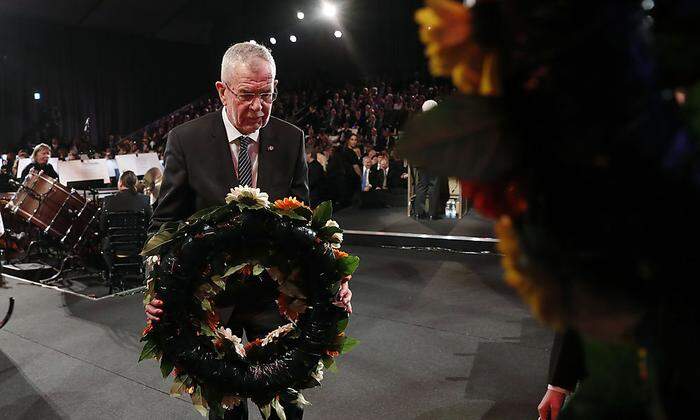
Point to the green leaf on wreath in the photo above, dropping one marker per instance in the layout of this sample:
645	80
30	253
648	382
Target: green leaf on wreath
304	212
178	388
342	324
348	265
198	401
322	214
166	367
234	270
278	409
258	269
301	401
329	364
201	214
266	410
204	328
149	351
292	214
218	281
349	344
153	245
206	305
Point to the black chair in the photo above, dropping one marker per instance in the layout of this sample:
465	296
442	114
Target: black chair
124	235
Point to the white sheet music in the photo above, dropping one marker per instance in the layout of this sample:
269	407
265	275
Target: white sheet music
140	163
24	162
83	170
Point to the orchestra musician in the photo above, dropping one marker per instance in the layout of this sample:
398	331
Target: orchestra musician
40	162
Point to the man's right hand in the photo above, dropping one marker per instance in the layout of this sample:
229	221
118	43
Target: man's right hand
153	311
551	404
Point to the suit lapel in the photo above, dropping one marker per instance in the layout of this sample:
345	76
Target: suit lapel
267	151
223	169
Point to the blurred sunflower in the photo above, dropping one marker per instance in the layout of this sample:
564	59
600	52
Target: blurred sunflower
447	30
542	294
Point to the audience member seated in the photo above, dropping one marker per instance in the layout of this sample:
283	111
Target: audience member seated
317	178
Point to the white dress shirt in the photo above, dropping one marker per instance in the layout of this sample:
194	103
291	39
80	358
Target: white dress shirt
253	147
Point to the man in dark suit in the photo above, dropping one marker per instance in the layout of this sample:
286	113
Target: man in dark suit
380	178
566	368
240	145
126	199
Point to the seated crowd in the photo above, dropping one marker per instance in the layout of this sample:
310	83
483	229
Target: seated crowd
350	137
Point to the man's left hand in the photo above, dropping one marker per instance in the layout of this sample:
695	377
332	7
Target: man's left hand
344	295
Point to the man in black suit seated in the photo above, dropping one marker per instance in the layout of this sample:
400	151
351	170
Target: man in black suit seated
317	178
241	145
380	178
126	199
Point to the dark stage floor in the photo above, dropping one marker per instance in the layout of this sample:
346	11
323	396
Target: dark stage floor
442	338
395	220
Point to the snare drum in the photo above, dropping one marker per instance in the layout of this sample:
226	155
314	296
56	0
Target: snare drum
61	213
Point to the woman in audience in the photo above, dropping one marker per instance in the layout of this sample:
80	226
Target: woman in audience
151	182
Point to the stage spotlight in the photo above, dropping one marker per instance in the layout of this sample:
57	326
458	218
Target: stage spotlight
37	96
337	34
329	10
648	5
293	38
300	15
273	41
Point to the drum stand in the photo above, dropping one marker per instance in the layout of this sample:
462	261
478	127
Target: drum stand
68	266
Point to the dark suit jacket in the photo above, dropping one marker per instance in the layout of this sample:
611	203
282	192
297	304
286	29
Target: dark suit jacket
376	178
48	170
199	169
316	183
126	201
566	363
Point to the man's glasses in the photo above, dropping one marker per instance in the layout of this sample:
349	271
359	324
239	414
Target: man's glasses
267	97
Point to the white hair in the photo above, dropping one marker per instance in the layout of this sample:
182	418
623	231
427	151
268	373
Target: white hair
243	53
428	105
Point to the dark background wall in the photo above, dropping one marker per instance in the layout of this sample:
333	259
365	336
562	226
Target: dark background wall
123	70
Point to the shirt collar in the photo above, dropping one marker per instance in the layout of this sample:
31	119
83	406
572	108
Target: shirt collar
232	132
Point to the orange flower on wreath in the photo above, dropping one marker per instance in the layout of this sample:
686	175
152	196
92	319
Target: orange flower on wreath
288	204
333	353
339	254
249	345
446	29
285	310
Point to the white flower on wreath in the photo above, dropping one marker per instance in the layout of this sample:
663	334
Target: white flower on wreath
226	334
248	198
283	330
318	373
337	238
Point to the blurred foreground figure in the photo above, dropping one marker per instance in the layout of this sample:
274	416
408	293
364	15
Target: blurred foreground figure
567	132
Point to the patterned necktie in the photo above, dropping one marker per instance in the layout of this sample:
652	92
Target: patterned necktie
245	172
